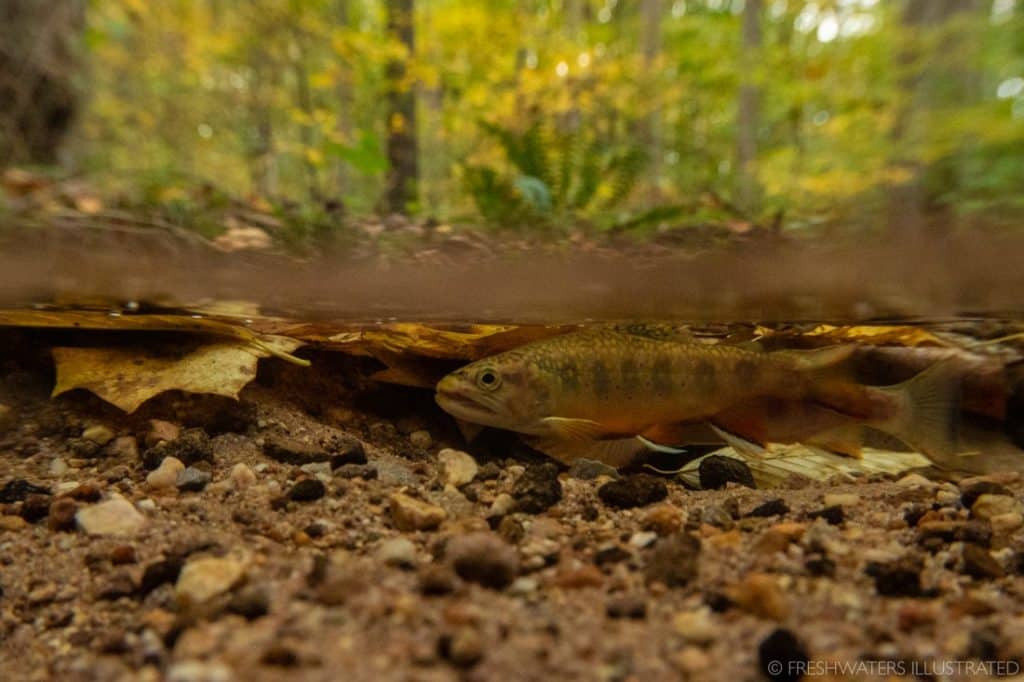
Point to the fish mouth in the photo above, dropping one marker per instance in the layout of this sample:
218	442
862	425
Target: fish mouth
459	404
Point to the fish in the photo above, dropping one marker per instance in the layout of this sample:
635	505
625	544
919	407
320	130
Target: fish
609	395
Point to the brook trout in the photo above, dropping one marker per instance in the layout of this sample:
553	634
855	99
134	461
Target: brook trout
593	393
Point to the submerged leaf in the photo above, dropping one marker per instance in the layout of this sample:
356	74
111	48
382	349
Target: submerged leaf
787	461
128	376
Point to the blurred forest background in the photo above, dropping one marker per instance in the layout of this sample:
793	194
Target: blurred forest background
537	116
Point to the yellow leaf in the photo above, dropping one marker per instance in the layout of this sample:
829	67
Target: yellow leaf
128	376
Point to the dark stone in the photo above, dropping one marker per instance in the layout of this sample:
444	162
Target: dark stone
718	602
673	561
932	535
637	490
84	448
782	657
367	472
716	471
160	572
489	471
17	489
307	490
627	606
193	445
250	602
610	554
983	645
718	516
193	480
62	514
819	565
118	585
436	580
35	507
913	514
280	656
899	578
979	564
348	451
483	558
776	507
834	515
290	450
86	492
538	489
970	494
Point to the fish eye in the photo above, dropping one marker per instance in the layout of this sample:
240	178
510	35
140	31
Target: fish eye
488	379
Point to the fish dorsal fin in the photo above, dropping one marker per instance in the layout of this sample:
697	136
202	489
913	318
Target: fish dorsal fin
575	429
741	445
616	453
469	430
817	358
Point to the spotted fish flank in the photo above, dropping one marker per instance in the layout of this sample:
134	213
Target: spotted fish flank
605	393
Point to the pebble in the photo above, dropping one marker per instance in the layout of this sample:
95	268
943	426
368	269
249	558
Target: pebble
988	505
693	661
696	626
11	523
759	594
99	434
17	489
537	489
199	671
673	561
643	540
457	468
160	431
399	552
125	448
1006	523
782	657
630	606
589	470
779	537
193	480
717	516
348	452
410	514
916	480
503	505
664	519
166	475
289	450
250	602
716	471
484	558
421	439
465	648
116	516
62	514
58	467
435	580
203	579
841	499
979	564
638	490
834	515
242	476
307	490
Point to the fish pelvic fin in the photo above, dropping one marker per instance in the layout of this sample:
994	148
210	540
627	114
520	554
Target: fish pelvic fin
469	430
929	412
844	440
738	443
818	358
617	452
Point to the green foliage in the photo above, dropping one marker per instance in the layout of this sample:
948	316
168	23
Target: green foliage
551	176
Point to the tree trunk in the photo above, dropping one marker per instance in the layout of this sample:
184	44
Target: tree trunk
909	202
38	63
747	111
401	145
650	39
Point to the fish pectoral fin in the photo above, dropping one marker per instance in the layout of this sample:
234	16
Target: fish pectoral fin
575	429
469	430
818	358
617	452
657	447
738	443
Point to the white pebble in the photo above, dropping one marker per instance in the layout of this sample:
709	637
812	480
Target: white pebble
166	475
242	476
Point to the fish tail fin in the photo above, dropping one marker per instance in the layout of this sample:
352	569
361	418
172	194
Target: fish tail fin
929	412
